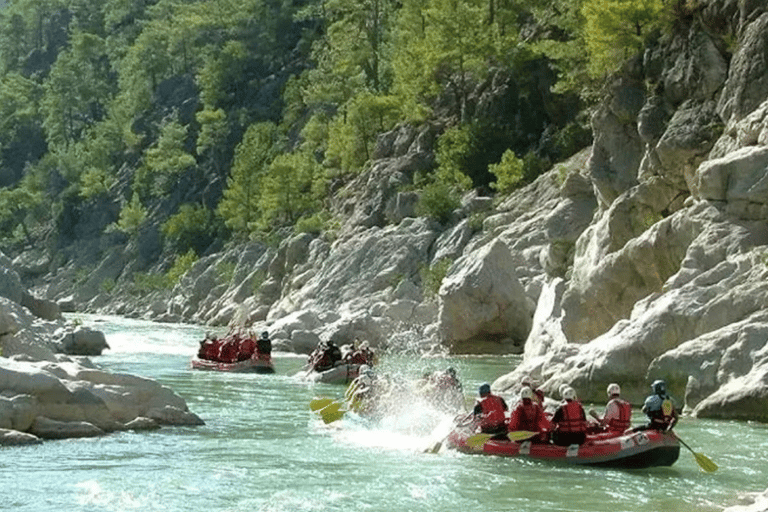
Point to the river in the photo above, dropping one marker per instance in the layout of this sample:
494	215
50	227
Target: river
263	450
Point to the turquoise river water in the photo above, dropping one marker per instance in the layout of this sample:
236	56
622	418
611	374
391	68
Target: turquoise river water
263	450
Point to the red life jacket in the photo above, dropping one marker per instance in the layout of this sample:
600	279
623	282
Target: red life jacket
209	350
228	352
247	348
358	357
493	411
623	422
573	419
527	416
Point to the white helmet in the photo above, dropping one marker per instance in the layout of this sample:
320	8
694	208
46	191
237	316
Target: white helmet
613	389
526	392
569	394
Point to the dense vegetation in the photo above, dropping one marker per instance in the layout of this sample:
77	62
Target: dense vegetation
206	121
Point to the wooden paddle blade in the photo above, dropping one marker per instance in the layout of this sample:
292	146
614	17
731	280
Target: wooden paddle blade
478	440
705	462
319	403
521	435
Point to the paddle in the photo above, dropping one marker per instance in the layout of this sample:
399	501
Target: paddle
332	412
702	460
458	420
318	403
478	440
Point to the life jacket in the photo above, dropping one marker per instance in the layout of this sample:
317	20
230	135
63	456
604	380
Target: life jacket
623	422
357	357
209	350
528	416
247	348
573	419
493	411
228	351
660	410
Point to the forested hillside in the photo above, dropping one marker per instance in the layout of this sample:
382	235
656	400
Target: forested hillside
175	126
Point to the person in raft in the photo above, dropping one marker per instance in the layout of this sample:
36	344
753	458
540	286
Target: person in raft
569	421
490	410
538	395
529	415
659	408
618	412
264	344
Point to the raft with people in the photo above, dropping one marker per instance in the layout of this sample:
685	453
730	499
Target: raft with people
644	449
238	351
567	435
332	364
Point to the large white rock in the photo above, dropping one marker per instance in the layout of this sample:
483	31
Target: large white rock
481	298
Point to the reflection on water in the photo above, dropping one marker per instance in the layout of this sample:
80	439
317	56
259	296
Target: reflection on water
261	449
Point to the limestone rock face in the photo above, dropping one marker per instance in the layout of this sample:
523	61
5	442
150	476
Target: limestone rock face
482	298
669	280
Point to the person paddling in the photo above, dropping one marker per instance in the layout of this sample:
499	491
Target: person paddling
660	408
569	420
528	415
618	412
490	410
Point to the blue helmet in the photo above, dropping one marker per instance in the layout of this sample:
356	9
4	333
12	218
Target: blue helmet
659	387
485	389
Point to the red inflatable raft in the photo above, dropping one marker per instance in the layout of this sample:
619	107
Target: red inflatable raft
643	449
257	364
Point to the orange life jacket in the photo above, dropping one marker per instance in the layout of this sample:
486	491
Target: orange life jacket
573	419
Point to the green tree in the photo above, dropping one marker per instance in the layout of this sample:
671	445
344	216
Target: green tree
132	217
164	161
191	228
15	205
211	138
239	203
292	188
509	172
446	44
77	91
352	134
616	29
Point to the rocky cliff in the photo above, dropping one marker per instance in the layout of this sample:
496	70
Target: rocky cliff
641	257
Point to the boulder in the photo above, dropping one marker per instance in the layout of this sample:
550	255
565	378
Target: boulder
481	298
84	341
46	428
16	438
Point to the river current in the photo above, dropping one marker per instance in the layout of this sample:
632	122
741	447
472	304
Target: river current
262	449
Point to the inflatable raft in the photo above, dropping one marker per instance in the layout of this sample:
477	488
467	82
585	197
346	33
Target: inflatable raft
342	373
643	449
256	364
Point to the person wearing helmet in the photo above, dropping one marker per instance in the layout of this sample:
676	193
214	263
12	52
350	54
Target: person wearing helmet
538	395
660	408
528	415
490	410
264	344
569	420
361	390
618	412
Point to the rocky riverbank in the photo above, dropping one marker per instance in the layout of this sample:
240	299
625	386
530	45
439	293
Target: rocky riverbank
50	389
